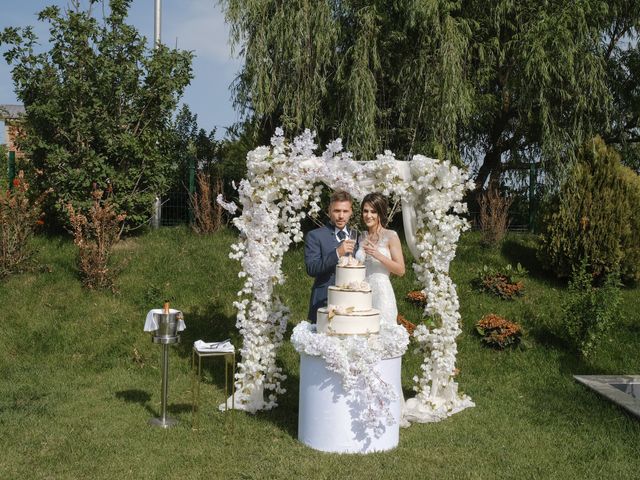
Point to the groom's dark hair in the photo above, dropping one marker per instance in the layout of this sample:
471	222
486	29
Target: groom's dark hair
340	196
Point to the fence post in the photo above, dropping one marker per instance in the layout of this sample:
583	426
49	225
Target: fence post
11	168
192	185
532	194
156	214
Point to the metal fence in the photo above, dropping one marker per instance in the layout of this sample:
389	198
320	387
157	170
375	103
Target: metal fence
176	209
517	223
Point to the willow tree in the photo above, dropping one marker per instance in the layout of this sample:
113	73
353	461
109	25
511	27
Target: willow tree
379	75
621	52
502	82
539	81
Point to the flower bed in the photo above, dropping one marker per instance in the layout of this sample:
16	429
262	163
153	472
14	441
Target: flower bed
501	281
498	332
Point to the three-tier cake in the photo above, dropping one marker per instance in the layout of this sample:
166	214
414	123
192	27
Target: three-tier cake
349	310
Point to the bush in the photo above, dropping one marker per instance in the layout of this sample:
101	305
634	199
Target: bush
95	235
4	163
494	216
594	216
590	312
409	326
498	332
206	211
630	241
18	219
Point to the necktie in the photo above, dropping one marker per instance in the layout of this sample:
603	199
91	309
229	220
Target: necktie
341	235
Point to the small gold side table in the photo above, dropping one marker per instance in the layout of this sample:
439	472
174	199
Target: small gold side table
229	358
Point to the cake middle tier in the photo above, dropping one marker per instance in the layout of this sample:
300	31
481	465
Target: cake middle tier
360	300
352	323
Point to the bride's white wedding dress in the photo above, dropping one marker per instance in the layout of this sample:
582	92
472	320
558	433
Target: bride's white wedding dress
384	298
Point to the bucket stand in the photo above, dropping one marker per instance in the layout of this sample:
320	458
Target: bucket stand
169	338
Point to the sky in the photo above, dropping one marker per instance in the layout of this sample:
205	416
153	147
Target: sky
196	25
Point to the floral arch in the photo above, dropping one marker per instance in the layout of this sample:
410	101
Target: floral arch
283	185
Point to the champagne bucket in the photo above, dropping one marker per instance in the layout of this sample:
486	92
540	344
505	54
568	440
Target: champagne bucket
166	334
167	324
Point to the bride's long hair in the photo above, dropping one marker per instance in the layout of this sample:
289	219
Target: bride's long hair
379	204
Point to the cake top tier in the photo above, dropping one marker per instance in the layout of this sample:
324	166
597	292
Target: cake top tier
346	276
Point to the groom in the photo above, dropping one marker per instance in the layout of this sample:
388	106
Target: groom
324	246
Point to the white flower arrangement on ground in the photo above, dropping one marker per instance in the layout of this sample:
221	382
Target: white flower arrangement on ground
354	357
283	185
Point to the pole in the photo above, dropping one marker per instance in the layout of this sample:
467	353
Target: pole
163	421
165	382
11	168
156	215
157	23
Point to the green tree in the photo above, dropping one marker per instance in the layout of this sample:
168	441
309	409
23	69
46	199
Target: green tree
378	74
191	141
98	106
538	79
622	55
498	83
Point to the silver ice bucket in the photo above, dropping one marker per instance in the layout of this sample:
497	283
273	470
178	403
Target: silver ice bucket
167	324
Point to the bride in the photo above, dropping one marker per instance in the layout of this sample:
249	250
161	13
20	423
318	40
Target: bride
381	252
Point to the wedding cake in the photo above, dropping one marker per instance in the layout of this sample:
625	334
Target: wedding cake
348	310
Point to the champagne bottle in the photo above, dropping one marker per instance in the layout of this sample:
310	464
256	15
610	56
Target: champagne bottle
165	307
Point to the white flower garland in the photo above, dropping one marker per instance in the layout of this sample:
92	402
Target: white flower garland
354	357
283	185
437	191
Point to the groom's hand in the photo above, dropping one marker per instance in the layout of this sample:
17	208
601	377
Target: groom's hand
346	247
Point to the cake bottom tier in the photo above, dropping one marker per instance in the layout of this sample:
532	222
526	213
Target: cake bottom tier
355	323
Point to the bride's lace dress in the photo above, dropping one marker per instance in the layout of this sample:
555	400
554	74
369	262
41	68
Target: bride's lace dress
378	277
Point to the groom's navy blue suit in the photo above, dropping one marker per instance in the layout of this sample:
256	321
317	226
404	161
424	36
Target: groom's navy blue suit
320	258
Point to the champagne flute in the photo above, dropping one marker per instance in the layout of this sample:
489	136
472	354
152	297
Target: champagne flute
353	235
350	238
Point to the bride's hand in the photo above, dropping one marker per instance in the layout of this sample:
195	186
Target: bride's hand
370	249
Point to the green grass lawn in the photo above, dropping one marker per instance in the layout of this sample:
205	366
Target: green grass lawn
79	378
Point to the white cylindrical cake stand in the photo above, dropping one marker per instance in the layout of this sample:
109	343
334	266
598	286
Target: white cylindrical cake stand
327	419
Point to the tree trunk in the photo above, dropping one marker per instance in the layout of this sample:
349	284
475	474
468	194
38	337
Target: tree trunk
492	162
490	165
